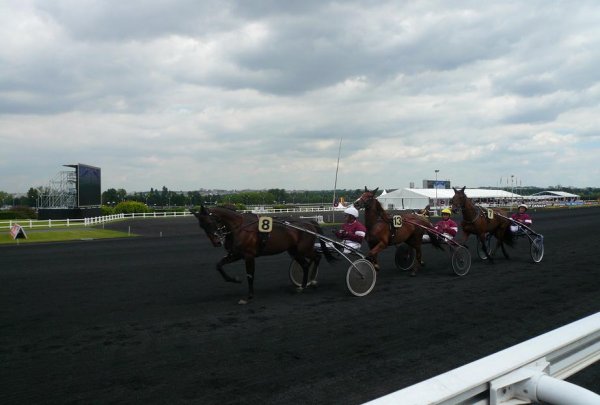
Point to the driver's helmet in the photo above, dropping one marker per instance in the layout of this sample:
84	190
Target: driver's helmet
447	211
524	206
351	211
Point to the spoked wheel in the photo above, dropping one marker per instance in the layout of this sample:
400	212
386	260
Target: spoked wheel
461	261
361	277
296	273
405	257
491	245
537	248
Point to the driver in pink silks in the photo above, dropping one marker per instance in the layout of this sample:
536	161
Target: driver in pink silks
352	232
447	227
521	217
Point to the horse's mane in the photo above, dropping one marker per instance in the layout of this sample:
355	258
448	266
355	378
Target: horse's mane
380	211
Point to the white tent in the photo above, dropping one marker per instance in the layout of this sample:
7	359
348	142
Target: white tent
418	198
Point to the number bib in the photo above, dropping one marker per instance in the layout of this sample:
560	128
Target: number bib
265	224
397	221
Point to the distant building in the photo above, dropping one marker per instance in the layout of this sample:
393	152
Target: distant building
418	198
549	197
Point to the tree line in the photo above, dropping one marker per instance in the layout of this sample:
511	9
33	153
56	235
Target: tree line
168	198
276	196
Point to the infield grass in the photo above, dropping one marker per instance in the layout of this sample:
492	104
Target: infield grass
62	234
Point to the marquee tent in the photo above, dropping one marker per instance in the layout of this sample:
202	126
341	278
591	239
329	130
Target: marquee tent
418	198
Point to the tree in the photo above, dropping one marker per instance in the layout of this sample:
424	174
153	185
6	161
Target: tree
32	197
5	198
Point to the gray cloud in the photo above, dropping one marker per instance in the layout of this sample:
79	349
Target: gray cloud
150	90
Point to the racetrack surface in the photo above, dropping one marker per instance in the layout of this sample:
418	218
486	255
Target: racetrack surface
149	320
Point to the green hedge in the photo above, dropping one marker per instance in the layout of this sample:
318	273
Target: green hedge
18	213
130	207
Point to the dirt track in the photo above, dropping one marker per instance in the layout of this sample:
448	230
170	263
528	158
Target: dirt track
149	319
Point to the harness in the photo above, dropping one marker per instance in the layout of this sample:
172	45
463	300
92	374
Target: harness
479	211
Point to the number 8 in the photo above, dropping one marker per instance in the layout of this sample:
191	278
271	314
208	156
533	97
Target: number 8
265	224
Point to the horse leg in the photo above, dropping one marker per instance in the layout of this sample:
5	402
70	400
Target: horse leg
250	277
500	238
312	275
464	238
229	258
305	266
418	261
372	255
484	246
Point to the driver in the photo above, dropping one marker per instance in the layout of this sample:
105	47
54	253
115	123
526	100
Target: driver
446	226
522	217
353	231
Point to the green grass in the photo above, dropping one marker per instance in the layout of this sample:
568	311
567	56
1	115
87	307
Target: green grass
62	234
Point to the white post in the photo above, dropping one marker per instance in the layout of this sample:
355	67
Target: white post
558	392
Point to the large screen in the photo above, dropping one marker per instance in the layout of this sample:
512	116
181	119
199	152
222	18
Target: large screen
89	192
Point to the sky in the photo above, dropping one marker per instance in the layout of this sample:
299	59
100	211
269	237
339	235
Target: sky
249	94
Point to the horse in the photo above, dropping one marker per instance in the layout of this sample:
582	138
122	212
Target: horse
239	234
382	233
479	221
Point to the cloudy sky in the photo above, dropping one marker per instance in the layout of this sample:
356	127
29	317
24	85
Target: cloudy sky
193	94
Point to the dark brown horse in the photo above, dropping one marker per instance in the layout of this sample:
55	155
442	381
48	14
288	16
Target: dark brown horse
239	234
479	221
382	233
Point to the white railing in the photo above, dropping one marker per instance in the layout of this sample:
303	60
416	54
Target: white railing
529	372
49	223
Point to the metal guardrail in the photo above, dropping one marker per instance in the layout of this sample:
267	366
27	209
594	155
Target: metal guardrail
529	372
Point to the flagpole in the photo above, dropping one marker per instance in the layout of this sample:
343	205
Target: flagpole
336	171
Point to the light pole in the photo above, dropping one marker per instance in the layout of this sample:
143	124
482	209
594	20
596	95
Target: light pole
436	187
512	190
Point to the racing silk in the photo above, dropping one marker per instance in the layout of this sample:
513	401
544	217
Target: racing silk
352	233
523	218
447	226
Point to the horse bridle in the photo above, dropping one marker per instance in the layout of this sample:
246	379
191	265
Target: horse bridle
221	230
478	210
364	202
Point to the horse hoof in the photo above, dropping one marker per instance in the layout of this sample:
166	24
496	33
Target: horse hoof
376	267
413	274
299	289
244	301
313	283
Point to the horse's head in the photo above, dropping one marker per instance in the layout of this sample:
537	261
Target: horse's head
366	198
210	224
459	200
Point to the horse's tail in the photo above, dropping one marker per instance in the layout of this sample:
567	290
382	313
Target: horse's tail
330	258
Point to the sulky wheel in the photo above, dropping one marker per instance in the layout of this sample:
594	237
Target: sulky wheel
361	277
537	248
405	257
461	261
296	273
491	245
